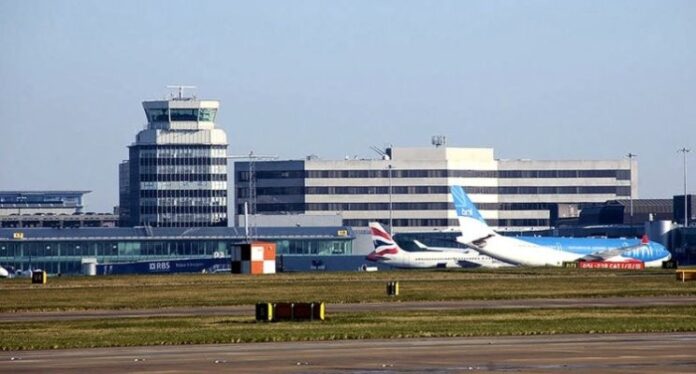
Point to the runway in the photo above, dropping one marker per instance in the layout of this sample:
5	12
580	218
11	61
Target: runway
615	353
395	305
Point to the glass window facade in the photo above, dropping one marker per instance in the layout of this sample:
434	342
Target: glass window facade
175	114
621	174
178	185
58	256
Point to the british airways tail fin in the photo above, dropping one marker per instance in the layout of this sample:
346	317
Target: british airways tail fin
385	246
471	222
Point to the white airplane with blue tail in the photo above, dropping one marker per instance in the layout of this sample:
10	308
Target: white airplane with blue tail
548	251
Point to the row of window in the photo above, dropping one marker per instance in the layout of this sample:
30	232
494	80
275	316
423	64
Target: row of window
367	190
321	207
377	206
440	222
183	169
183	193
184	185
183	201
402	222
183	150
154	222
263	174
157	161
182	177
114	248
398	190
182	209
620	174
276	207
314	247
167	115
423	206
42	198
534	190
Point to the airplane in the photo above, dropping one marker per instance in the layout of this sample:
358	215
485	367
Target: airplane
548	251
387	251
4	273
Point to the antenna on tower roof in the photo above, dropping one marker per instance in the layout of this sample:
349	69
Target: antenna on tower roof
180	88
439	140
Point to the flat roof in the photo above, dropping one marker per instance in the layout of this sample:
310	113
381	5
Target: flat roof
45	192
173	233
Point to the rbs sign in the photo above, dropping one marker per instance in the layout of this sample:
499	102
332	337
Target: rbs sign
159	266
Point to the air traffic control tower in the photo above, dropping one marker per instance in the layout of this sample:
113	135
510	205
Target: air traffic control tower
176	174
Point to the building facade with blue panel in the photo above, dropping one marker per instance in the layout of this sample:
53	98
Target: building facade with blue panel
62	250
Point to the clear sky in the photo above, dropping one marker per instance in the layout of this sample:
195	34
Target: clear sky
532	79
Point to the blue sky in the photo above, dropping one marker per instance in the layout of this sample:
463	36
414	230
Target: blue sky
533	79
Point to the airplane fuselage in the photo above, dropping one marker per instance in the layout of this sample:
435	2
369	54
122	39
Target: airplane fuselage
553	251
427	260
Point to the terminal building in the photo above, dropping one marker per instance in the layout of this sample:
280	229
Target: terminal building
62	251
176	174
58	209
31	202
410	187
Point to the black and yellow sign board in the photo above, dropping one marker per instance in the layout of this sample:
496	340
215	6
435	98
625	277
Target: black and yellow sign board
38	277
18	235
290	312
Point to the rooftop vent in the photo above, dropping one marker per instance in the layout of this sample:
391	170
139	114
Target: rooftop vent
439	140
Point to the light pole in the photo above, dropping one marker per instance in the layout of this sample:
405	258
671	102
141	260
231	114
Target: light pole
389	169
685	150
631	156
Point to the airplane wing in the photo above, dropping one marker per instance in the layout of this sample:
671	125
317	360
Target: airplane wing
473	231
440	249
468	264
421	245
609	253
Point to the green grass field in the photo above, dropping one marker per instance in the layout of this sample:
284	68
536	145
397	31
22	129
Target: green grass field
209	330
161	291
140	292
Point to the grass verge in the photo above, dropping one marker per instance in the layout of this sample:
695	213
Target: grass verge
162	291
209	330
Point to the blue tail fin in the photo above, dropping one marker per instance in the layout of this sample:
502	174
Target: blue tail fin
464	206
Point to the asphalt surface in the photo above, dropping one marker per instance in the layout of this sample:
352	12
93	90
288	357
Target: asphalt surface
239	310
615	353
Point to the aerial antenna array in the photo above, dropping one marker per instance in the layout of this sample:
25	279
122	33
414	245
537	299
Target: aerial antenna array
180	90
439	140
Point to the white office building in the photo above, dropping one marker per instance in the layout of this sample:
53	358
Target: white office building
409	187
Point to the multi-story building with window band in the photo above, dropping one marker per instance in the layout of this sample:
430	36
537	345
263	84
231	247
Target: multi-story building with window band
176	174
410	187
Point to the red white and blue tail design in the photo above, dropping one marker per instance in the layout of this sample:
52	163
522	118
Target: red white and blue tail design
385	246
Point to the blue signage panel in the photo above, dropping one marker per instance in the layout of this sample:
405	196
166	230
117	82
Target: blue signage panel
208	265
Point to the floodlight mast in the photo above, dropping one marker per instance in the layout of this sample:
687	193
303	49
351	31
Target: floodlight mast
250	208
685	151
631	156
